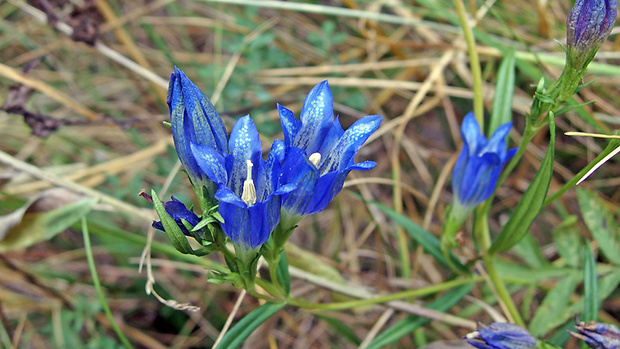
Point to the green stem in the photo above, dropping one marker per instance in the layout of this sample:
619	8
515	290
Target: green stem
97	284
271	289
387	298
483	238
474	63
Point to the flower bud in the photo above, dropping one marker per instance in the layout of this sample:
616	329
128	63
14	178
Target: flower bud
598	335
588	25
500	335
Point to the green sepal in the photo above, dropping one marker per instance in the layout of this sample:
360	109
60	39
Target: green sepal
167	124
222	278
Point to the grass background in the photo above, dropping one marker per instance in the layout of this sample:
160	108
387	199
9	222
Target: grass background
96	121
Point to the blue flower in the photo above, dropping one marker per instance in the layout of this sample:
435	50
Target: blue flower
319	153
248	191
500	335
480	163
598	335
194	120
590	22
177	210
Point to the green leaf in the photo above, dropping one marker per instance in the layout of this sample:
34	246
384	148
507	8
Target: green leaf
412	322
42	218
590	293
606	285
504	90
237	335
342	329
601	224
531	203
530	252
555	308
172	230
568	241
428	241
284	279
524	275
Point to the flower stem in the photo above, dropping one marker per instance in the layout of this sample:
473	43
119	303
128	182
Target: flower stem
474	63
483	238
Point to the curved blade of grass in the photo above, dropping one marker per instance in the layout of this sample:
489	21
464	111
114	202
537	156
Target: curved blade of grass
428	241
504	89
409	324
237	335
590	292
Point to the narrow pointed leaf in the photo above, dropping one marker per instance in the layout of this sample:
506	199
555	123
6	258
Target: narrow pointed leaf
555	308
531	203
284	279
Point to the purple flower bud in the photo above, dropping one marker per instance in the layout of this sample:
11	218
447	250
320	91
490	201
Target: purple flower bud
500	335
598	335
589	23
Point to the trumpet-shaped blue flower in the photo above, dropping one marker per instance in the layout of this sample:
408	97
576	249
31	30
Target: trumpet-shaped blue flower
480	163
590	22
194	120
319	152
500	335
598	335
248	189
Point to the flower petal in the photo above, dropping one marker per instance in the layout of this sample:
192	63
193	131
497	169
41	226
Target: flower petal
290	125
211	162
341	156
471	134
298	170
331	138
244	144
317	114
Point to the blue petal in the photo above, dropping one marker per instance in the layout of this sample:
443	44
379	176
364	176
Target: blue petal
177	120
317	114
470	132
247	227
210	162
244	145
177	210
342	154
299	171
207	125
273	168
325	190
331	138
290	125
497	143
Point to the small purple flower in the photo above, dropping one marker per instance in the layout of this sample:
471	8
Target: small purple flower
319	153
598	335
480	163
589	23
177	210
500	335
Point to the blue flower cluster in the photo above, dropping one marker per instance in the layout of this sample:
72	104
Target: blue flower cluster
301	175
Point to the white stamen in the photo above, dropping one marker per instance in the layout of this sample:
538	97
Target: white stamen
315	159
249	191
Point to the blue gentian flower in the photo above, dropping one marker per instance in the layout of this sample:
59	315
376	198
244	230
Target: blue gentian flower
319	153
194	120
500	335
480	163
177	210
248	189
590	22
598	335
